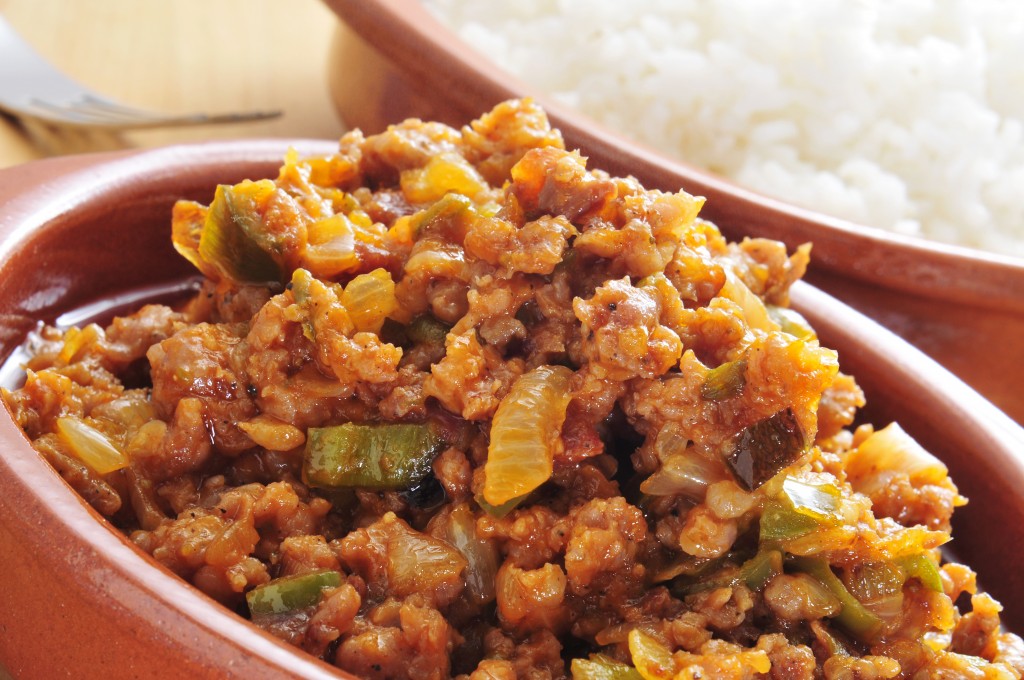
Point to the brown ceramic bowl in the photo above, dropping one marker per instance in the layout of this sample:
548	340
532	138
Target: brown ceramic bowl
80	600
391	60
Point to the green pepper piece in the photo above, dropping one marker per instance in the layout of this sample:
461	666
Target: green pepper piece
800	509
289	593
759	569
426	329
725	381
791	321
499	511
854	617
923	568
781	523
754	573
763	449
232	239
376	456
602	667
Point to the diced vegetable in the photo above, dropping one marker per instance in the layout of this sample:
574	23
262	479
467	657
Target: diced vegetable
879	587
481	554
447	207
754	573
525	431
425	494
76	339
725	381
759	569
854	617
684	470
754	310
822	502
888	449
763	449
370	299
781	523
427	329
924	569
90	446
442	174
289	593
792	322
500	511
688	473
651	658
419	563
188	218
233	240
654	661
799	509
370	455
602	667
331	246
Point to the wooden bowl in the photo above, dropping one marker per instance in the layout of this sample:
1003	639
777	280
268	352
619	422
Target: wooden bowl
80	600
391	59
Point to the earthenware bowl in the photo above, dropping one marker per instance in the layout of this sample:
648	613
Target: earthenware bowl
392	59
80	600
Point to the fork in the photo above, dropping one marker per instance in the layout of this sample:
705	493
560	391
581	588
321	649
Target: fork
33	91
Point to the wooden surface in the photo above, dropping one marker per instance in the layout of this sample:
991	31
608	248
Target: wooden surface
183	56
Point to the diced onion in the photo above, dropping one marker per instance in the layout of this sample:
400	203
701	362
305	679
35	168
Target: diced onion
443	173
524	433
91	446
754	310
889	450
370	299
330	249
481	554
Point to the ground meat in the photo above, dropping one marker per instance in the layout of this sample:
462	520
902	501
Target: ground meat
395	559
534	248
603	545
789	662
302	554
398	640
404	285
623	338
528	537
471	379
496	141
551	181
197	362
168	450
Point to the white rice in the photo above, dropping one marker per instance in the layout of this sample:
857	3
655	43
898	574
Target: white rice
906	115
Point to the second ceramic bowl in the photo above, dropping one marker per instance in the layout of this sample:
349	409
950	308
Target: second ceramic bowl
392	59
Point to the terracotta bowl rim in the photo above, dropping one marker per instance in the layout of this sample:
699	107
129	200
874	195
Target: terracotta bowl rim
68	185
100	176
408	35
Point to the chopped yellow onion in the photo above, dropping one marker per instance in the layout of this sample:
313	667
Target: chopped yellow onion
754	310
524	433
887	450
90	446
370	299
